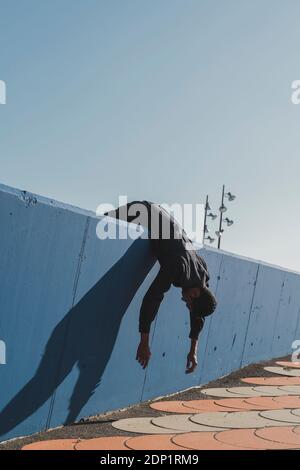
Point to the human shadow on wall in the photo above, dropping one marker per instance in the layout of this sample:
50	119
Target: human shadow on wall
85	336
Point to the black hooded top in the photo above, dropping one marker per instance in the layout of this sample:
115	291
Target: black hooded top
180	265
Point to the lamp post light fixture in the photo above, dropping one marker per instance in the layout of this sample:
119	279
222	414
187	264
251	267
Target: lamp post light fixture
231	197
210	239
219	233
213	216
228	222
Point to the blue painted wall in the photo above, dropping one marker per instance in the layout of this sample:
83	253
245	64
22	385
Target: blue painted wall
69	306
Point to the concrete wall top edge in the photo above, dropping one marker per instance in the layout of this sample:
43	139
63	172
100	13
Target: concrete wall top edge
29	196
251	260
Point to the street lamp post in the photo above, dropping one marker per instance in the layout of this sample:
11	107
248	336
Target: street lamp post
223	209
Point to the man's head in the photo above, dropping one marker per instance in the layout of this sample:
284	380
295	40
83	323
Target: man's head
199	300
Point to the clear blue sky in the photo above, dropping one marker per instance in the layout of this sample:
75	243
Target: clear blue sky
162	100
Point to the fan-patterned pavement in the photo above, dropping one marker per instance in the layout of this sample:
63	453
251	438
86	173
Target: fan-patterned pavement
263	413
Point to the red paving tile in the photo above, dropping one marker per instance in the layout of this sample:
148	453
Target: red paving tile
248	439
296	429
292	365
264	403
290	401
103	443
239	404
272	380
173	407
280	434
55	444
202	441
205	406
152	442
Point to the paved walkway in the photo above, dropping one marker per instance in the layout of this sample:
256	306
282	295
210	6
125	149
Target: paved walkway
242	411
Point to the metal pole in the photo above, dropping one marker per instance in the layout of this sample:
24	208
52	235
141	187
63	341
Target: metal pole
205	218
221	217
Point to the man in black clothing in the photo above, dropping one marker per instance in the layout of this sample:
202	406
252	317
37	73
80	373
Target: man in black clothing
180	266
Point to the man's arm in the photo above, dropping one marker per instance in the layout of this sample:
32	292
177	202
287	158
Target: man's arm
149	309
197	324
153	299
205	274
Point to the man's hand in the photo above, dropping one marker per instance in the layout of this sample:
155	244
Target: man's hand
192	357
143	353
191	362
